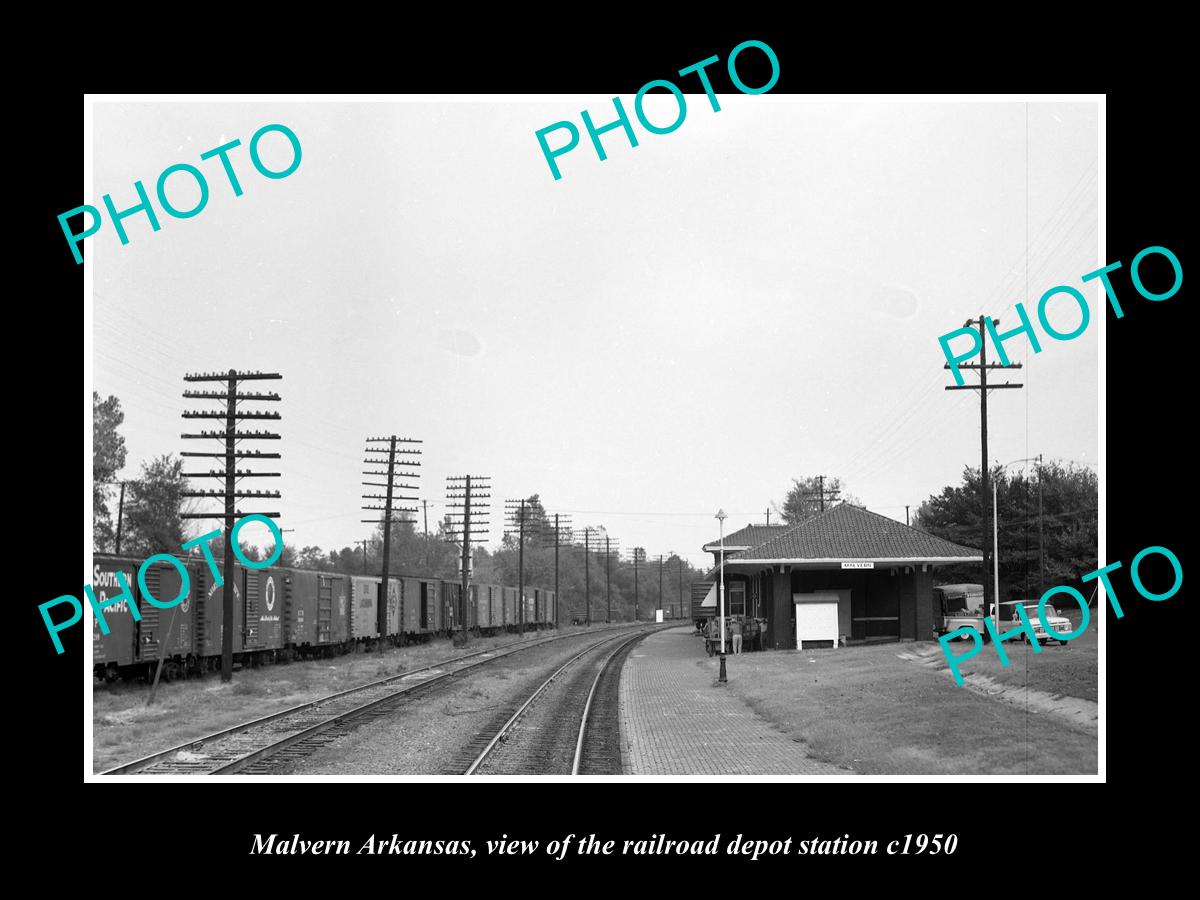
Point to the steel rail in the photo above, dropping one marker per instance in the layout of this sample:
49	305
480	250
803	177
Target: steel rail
512	720
508	650
587	707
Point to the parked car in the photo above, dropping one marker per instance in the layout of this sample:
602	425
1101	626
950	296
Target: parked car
1058	624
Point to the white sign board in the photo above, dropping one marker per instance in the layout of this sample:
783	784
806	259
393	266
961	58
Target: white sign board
858	565
658	616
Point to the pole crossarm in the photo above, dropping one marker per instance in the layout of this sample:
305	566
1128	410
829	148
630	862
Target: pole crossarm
231	414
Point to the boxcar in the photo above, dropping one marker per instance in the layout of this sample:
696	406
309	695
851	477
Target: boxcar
449	592
332	609
364	595
167	632
429	605
410	607
209	614
491	607
263	615
364	607
113	651
510	607
300	618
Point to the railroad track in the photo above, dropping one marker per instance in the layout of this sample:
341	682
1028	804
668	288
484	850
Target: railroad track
566	725
258	746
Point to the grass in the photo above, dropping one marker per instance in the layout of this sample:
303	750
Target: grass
1070	670
124	728
866	709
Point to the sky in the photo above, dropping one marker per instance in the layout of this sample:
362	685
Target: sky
685	326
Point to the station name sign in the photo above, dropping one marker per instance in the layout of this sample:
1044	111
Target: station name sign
858	565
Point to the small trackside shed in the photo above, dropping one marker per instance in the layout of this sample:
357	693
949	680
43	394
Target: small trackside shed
847	575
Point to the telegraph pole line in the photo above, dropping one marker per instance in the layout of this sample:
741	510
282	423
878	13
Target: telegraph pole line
822	494
985	491
120	516
607	580
396	468
473	491
230	436
425	509
1041	541
364	546
679	559
120	511
515	510
660	577
587	571
561	524
608	551
639	556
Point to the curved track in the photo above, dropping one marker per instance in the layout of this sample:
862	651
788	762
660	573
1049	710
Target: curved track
566	725
257	745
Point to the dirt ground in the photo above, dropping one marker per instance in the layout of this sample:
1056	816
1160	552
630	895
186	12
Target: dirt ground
894	709
124	728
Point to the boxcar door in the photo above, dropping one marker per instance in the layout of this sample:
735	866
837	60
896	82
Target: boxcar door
324	609
251	596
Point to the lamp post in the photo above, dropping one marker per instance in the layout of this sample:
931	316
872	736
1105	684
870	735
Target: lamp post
721	594
996	541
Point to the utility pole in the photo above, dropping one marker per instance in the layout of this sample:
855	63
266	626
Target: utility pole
230	436
425	509
587	574
364	546
984	490
515	510
120	516
1041	540
821	494
680	561
561	523
388	508
472	491
607	582
660	576
607	579
639	556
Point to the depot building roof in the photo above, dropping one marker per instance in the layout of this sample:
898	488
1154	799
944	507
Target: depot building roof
848	533
746	538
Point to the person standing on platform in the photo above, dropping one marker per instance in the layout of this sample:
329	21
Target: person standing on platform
735	628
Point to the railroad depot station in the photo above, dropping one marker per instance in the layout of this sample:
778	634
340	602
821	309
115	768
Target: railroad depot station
845	576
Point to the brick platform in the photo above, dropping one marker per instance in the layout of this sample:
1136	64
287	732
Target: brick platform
675	722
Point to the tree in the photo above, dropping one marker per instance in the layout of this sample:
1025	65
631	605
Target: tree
108	458
1069	523
155	507
803	500
287	556
312	557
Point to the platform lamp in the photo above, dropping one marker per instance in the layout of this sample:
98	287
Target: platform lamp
721	595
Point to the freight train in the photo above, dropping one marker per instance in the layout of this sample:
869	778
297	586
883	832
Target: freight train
280	614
